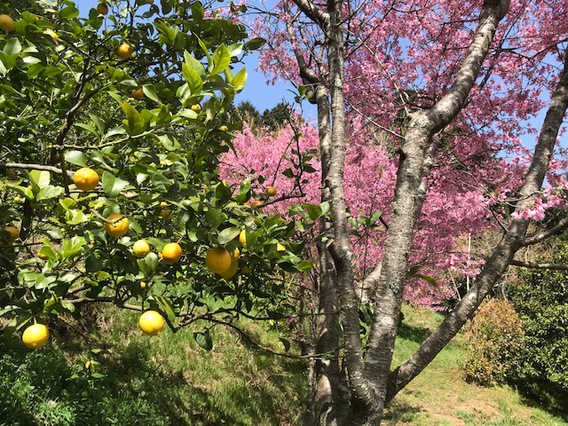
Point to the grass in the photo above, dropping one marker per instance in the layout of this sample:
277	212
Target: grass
170	380
439	396
140	380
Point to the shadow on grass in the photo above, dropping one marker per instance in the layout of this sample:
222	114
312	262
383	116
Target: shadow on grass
130	387
413	333
399	411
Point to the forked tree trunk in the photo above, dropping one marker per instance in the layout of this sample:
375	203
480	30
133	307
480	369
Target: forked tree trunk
368	378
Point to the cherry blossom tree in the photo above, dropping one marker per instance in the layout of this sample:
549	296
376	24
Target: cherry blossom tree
446	93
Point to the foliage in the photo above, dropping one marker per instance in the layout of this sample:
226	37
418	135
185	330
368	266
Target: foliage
495	336
119	376
541	364
67	102
270	120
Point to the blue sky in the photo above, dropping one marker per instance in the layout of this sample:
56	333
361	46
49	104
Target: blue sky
257	91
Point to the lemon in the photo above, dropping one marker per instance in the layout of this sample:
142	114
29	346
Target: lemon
86	179
119	225
271	191
6	22
52	34
171	253
280	247
256	204
141	248
243	237
125	50
229	273
218	260
236	253
138	93
151	323
13	233
35	336
223	128
196	107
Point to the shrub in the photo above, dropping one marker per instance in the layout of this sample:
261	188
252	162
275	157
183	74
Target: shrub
541	364
495	335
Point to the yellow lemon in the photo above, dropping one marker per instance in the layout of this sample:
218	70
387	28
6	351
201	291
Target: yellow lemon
218	260
196	107
171	253
256	204
86	179
223	128
6	22
143	285
236	253
166	213
151	323
141	248
243	237
229	273
13	233
271	191
125	50
119	225
35	336
52	34
280	247
138	93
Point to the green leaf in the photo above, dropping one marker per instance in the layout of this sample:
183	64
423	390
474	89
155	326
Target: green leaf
113	185
215	217
229	234
75	217
240	80
221	60
76	157
41	178
89	129
235	49
69	12
166	306
188	113
150	92
25	191
255	43
73	247
169	142
313	211
203	339
151	261
12	47
135	123
244	192
193	79
194	63
49	192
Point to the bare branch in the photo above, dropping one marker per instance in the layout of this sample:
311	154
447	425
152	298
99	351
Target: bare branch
533	265
559	227
313	12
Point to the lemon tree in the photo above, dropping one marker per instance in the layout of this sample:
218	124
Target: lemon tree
104	127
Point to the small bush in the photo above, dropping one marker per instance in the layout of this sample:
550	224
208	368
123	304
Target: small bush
495	336
541	364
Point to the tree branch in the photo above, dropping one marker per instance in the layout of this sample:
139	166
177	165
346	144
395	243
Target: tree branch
559	227
502	255
533	265
313	12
